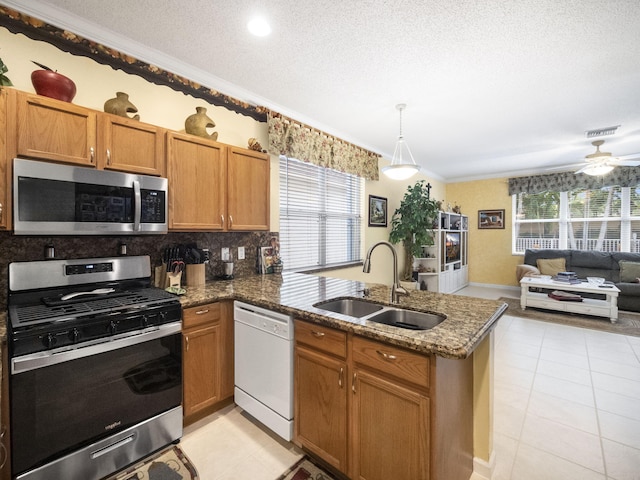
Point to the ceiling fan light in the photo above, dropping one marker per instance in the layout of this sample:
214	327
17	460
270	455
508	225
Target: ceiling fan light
403	166
596	170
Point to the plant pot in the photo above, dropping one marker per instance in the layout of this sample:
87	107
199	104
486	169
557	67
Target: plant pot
54	85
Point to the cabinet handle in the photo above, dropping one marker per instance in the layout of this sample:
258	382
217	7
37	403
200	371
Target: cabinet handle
340	377
186	339
386	356
202	312
230	221
222	220
317	334
92	155
108	157
1	212
353	382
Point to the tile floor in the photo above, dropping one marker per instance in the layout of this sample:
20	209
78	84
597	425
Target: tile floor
566	404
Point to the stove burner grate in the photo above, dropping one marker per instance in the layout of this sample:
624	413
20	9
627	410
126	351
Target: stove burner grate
31	314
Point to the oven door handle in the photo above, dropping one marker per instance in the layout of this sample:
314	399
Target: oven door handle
26	363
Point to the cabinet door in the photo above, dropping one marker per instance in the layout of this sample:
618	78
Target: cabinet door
390	430
54	130
197	183
5	177
201	381
130	146
320	410
248	190
226	350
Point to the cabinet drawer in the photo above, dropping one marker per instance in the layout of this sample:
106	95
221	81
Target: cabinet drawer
194	316
403	364
326	339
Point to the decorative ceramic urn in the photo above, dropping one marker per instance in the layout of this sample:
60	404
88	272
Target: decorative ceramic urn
121	106
198	123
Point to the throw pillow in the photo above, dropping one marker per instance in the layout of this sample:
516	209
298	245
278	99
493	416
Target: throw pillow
551	266
629	271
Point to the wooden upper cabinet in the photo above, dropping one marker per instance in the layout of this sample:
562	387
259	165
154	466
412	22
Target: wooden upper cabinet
248	190
130	146
54	130
50	129
5	171
197	174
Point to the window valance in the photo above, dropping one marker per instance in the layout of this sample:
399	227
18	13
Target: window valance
566	181
296	140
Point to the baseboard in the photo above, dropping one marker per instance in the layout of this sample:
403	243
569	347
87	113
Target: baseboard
514	289
483	470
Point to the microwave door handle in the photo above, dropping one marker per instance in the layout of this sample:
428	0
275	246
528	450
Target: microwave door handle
137	207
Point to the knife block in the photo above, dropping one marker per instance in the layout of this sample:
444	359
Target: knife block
195	274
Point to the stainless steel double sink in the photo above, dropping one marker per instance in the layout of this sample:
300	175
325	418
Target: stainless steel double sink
373	312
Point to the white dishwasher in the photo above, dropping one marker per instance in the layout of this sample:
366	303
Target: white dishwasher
264	366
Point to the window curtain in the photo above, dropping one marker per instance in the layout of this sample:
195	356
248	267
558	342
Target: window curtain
567	181
296	140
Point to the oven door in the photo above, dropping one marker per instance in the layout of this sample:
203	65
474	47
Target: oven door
63	401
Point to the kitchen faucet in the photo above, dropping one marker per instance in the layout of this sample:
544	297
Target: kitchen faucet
396	289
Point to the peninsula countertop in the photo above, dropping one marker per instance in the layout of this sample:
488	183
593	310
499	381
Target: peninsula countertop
468	319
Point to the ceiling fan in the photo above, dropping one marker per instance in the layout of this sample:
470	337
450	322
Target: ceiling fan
601	163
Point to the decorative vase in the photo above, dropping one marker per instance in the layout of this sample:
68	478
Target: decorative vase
53	85
120	105
198	123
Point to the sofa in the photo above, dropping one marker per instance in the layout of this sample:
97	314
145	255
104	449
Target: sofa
620	268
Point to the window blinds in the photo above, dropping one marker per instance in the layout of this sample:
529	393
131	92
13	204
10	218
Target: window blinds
320	215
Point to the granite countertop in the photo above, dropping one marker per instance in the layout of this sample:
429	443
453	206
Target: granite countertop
468	320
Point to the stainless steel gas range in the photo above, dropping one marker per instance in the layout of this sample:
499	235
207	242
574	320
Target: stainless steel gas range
95	367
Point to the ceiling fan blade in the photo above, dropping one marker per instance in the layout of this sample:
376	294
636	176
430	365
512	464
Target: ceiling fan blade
583	169
570	166
626	163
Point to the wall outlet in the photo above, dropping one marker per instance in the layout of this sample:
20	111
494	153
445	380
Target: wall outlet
224	254
240	253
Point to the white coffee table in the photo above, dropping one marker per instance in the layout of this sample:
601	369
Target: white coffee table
607	307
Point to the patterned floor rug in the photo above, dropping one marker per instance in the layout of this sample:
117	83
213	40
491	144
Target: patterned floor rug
168	464
305	469
628	322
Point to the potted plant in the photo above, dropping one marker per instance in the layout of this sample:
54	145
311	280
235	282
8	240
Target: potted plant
412	223
4	81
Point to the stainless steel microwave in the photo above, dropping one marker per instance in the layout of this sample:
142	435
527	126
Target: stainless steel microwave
54	199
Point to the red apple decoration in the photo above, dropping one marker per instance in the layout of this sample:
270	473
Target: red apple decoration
54	85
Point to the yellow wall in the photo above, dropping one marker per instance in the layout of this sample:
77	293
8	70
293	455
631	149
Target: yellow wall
490	258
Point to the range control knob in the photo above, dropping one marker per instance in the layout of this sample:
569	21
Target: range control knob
113	327
145	321
49	340
74	335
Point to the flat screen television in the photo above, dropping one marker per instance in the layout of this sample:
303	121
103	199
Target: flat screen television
452	247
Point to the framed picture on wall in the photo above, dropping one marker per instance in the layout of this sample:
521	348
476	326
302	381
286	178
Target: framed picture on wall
490	219
377	211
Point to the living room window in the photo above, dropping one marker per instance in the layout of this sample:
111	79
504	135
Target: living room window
320	216
605	219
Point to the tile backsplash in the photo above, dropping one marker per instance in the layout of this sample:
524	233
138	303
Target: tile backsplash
14	248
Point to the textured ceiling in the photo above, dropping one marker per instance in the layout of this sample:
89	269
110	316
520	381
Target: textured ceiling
492	87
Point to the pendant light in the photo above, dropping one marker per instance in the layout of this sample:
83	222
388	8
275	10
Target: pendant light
403	166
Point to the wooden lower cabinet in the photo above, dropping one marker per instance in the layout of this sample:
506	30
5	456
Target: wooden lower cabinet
374	411
390	432
321	406
207	371
201	377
